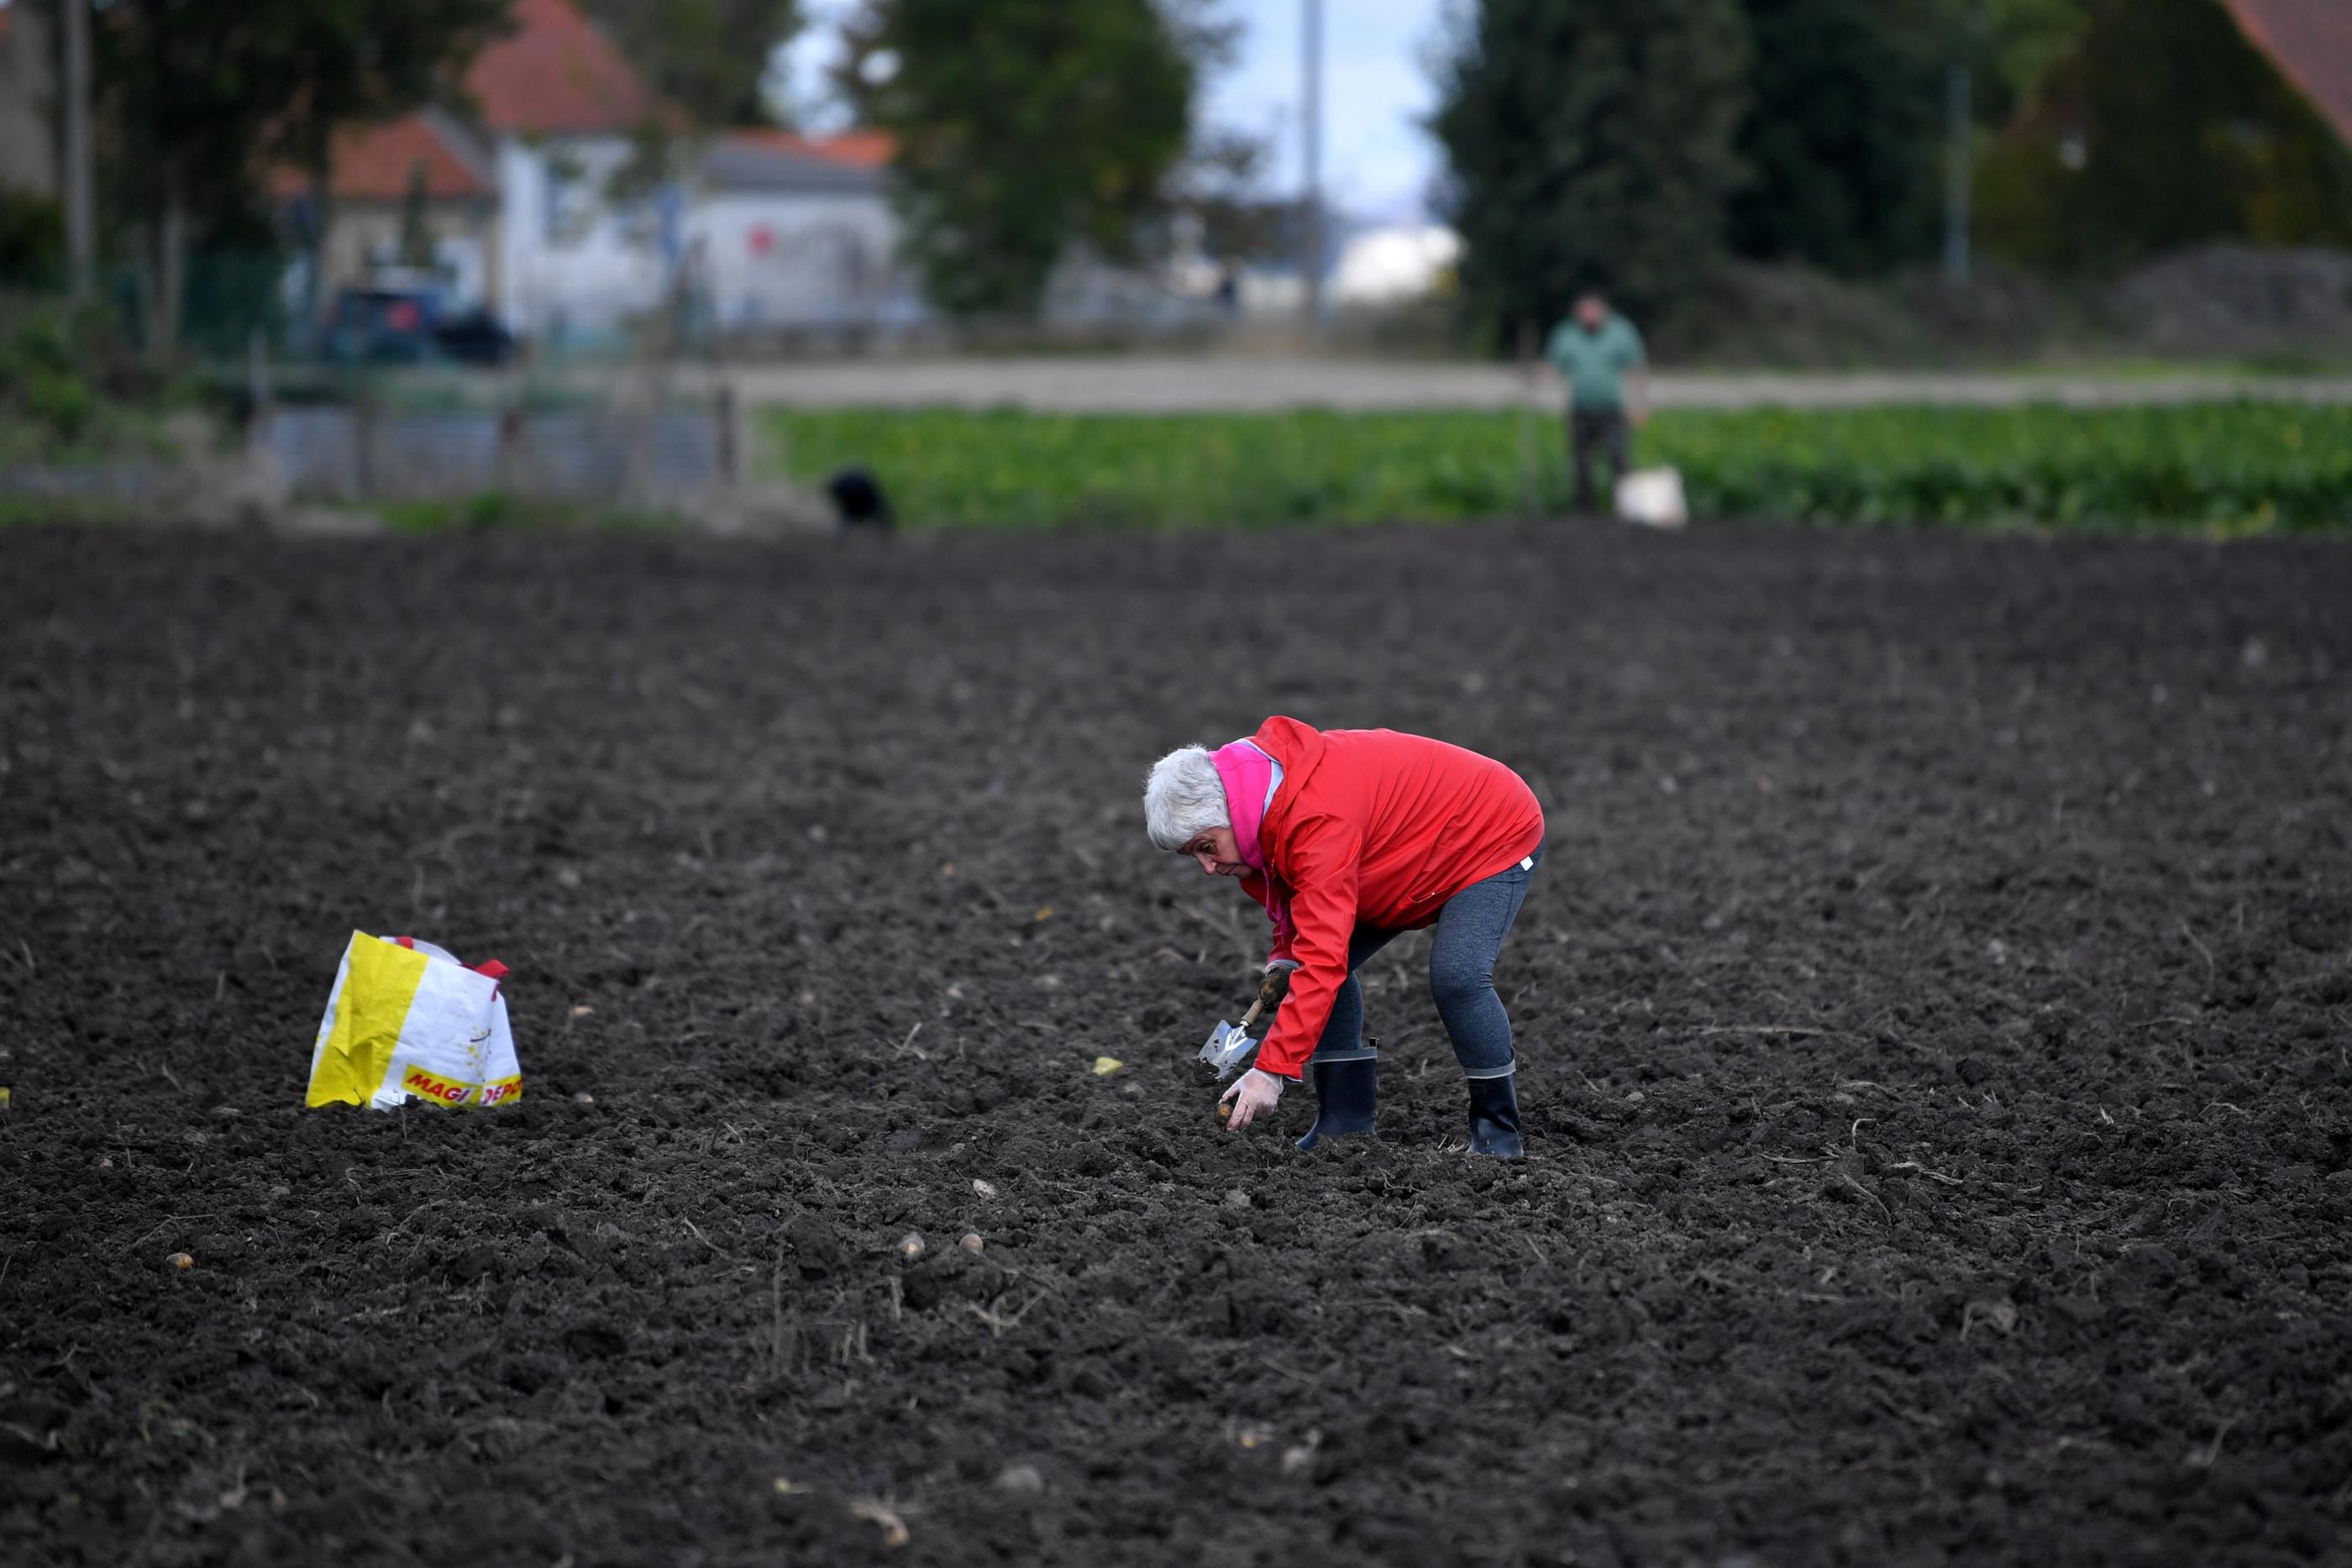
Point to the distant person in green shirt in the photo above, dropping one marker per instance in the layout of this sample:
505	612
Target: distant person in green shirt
1595	350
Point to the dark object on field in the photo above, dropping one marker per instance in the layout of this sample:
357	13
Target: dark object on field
1346	1095
475	338
858	501
1495	1117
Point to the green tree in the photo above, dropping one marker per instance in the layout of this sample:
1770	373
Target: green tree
2026	38
1590	143
32	240
1845	131
1222	182
416	230
707	58
2161	127
200	99
1025	127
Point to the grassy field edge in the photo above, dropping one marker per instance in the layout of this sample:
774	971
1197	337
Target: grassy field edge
2231	468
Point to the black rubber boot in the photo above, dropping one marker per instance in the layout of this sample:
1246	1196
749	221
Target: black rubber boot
1495	1117
1346	1094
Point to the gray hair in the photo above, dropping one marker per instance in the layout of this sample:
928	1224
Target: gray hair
1183	798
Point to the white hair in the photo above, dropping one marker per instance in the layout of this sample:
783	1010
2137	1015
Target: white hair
1183	798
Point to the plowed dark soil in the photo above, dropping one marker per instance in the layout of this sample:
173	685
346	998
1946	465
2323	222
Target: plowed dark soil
1934	1014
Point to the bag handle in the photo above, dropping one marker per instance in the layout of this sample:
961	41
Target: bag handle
489	966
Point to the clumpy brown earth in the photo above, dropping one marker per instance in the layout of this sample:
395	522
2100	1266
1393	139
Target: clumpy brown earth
1934	1016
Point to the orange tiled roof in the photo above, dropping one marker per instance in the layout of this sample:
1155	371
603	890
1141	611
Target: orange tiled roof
373	163
2310	41
855	149
556	74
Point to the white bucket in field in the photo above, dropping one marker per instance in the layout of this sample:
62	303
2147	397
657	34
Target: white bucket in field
1652	497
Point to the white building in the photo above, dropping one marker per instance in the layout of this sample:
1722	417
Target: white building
534	210
789	234
1390	264
517	191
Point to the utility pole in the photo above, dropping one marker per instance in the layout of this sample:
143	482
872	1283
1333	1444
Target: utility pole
1955	174
1310	121
81	228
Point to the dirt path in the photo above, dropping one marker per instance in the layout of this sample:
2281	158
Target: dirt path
1146	385
1932	1011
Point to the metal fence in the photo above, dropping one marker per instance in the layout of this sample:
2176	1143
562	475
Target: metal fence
358	453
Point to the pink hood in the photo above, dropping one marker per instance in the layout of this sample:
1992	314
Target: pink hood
1247	774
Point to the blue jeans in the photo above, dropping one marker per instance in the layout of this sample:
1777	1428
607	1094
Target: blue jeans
1469	935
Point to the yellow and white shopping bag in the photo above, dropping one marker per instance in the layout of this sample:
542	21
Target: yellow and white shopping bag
407	1020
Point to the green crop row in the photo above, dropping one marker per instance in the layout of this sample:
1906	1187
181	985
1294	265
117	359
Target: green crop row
2234	467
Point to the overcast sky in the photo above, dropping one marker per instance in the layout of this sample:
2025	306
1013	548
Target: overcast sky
1377	162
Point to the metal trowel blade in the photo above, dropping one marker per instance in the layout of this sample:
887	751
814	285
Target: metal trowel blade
1226	1048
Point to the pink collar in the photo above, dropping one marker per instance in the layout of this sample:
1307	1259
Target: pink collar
1248	776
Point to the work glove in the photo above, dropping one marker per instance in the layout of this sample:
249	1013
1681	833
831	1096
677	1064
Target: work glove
1277	984
1251	1093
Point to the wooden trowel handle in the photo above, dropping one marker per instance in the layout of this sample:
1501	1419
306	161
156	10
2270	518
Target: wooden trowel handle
1270	992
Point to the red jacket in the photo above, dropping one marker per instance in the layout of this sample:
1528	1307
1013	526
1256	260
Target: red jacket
1372	828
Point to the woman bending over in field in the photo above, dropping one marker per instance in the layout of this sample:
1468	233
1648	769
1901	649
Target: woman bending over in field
1351	836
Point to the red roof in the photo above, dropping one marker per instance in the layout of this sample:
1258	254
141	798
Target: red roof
373	164
2310	41
556	74
853	149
